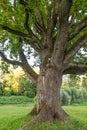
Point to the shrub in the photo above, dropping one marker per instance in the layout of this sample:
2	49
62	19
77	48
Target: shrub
71	95
84	91
15	100
68	90
74	94
27	88
29	94
7	93
65	98
1	91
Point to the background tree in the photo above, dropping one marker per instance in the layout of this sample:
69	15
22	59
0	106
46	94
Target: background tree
57	31
74	81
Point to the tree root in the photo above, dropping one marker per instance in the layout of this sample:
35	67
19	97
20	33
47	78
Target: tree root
46	115
34	112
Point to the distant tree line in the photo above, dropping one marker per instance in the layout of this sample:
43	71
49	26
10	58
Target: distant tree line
74	90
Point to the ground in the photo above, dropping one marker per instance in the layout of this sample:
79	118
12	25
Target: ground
13	116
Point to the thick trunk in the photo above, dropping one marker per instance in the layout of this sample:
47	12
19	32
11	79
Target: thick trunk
48	94
48	97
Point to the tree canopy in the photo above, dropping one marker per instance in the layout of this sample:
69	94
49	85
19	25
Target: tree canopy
27	23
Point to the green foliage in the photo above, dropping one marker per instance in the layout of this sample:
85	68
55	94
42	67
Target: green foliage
65	98
84	92
70	95
73	81
4	67
13	16
84	81
15	100
16	83
26	87
7	93
29	93
1	91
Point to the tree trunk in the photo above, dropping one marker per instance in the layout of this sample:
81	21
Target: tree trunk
48	97
48	94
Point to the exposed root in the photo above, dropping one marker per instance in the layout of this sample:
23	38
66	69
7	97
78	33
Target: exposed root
61	115
34	112
46	115
43	116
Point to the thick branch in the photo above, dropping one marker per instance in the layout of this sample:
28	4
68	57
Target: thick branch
79	43
25	36
76	68
26	24
34	37
39	28
65	10
24	64
15	31
62	33
26	67
40	19
9	61
78	28
52	18
72	21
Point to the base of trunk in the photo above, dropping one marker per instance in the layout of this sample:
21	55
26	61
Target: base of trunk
46	114
33	112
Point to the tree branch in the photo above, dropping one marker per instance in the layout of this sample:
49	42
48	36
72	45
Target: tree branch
76	68
9	61
75	47
77	29
24	64
40	19
39	28
15	31
72	21
52	18
21	34
26	67
22	2
65	10
34	37
62	33
33	45
26	25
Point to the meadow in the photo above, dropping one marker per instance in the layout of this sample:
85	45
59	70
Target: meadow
13	117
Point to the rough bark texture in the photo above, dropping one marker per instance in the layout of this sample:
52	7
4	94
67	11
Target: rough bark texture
48	97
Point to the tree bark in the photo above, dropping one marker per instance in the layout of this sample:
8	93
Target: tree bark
48	97
48	93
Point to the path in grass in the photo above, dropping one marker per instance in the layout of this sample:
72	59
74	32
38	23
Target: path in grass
13	116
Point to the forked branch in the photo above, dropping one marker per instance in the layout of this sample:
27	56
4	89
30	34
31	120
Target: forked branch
78	28
24	64
76	46
65	10
13	31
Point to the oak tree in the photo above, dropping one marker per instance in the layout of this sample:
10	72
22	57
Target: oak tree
57	31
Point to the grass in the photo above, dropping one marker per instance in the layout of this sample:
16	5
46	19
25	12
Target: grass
14	116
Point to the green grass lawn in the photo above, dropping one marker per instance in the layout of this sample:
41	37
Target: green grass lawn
13	116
